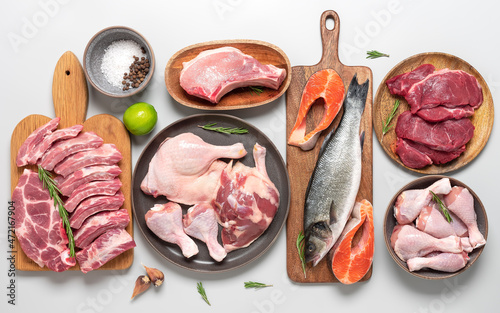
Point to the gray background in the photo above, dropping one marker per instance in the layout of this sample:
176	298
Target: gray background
401	28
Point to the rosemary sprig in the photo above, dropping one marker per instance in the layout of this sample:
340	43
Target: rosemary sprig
300	248
225	130
388	127
256	285
373	54
443	207
202	292
49	183
256	89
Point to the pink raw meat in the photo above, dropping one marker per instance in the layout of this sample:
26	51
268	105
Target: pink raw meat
99	172
442	113
445	262
416	155
63	148
61	134
93	188
107	154
214	73
105	248
34	139
39	227
98	224
93	205
400	84
246	202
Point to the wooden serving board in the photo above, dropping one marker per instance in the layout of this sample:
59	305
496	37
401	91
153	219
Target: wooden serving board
300	164
70	95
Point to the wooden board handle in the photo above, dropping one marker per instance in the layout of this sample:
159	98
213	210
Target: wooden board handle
69	91
330	39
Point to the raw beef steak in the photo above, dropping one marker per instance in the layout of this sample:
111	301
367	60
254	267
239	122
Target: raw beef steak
415	155
442	113
400	84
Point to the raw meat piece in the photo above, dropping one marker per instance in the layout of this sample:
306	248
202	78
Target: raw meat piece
461	202
445	87
107	154
39	228
327	85
458	226
446	136
445	262
63	148
442	113
416	155
93	188
213	73
409	242
410	202
165	221
200	222
34	139
246	202
99	172
93	205
401	84
433	222
98	224
46	143
185	169
105	248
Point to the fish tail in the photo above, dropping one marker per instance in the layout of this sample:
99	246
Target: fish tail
356	94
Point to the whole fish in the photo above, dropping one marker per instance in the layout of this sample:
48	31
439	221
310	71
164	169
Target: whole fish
334	183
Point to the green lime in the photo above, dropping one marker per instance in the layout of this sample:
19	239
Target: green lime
140	118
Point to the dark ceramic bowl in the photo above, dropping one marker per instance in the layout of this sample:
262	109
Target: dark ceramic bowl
94	53
390	222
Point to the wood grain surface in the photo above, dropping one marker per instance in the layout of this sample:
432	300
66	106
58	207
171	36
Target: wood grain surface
384	102
70	95
240	98
300	164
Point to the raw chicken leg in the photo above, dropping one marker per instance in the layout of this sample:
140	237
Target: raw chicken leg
409	242
445	262
165	220
185	169
461	202
200	222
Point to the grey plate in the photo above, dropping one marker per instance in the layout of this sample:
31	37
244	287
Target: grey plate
276	170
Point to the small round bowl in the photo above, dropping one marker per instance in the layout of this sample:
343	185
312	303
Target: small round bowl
94	53
390	222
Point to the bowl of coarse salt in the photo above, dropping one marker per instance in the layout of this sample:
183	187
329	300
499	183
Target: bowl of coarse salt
118	62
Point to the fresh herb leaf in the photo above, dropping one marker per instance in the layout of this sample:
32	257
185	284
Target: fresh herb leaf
256	285
443	207
202	292
387	123
256	89
49	183
373	54
225	130
300	248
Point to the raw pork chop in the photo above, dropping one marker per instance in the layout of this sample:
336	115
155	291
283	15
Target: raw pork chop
34	139
185	169
98	224
442	113
61	134
400	84
246	201
200	222
445	262
416	155
446	136
109	245
99	172
39	228
93	188
107	154
213	73
165	221
93	205
63	148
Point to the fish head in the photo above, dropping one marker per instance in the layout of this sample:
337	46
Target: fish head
317	242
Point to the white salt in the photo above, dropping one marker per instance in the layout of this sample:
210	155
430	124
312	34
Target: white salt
118	57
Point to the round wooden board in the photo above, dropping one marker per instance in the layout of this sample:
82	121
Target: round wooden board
384	102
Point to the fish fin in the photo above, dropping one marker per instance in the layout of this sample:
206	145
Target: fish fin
333	217
362	140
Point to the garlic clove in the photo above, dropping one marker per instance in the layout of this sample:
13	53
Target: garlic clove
155	275
141	284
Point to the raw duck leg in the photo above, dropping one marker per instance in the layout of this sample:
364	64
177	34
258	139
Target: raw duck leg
445	262
200	222
165	220
325	84
409	242
351	262
185	169
34	139
461	202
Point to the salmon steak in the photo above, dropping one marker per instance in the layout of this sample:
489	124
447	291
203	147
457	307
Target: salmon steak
353	252
325	84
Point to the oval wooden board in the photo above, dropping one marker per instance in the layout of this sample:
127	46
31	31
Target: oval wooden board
300	164
384	102
69	92
240	98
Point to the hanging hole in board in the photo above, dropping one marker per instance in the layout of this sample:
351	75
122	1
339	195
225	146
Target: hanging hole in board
330	23
67	72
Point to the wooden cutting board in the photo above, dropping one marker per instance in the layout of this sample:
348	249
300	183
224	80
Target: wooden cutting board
70	95
300	164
